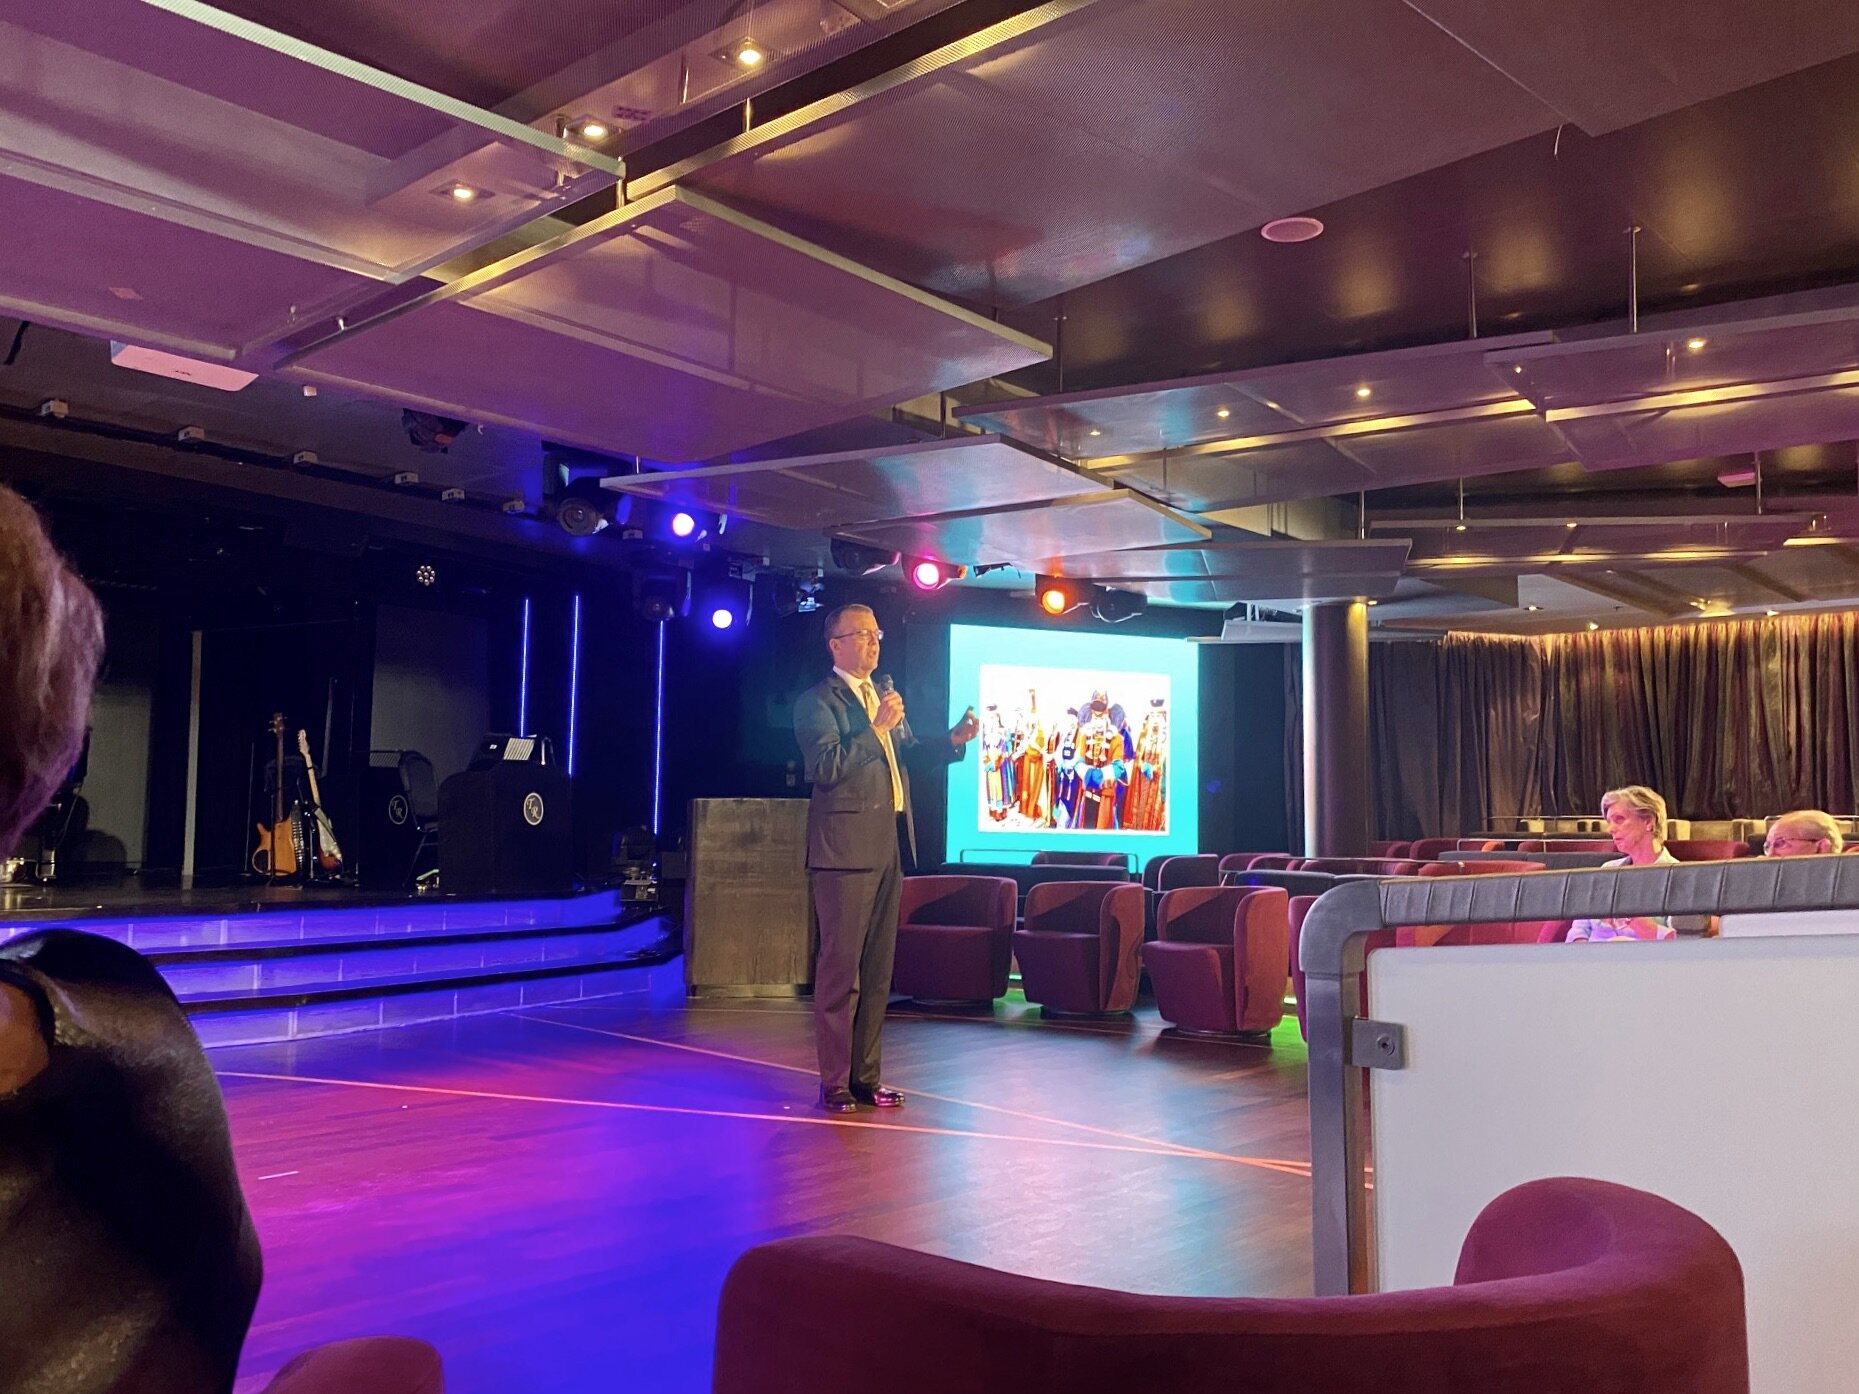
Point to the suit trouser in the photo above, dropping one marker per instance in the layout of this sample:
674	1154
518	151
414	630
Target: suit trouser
852	977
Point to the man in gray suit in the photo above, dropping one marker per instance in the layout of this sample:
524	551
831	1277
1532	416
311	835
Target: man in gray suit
855	742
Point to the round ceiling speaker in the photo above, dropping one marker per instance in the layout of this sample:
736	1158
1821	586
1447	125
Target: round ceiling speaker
1291	230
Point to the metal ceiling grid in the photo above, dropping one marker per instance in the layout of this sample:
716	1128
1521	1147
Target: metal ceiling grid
864	486
180	177
673	328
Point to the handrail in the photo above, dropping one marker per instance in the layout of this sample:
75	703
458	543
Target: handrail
1332	951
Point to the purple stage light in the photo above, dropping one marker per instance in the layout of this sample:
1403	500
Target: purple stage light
683	524
722	618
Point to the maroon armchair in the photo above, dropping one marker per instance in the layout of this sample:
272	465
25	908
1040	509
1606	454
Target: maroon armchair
373	1365
1706	849
954	937
1495	867
1220	958
1121	860
1080	946
1389	849
1176	872
1562	1285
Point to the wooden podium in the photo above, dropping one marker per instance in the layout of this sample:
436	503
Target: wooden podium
748	923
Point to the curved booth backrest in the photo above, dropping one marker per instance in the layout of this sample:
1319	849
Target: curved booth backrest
1561	1285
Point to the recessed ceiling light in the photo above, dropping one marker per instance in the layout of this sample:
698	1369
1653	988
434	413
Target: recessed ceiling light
1571	526
1364	392
1771	613
1374	602
1223	413
1291	230
748	54
593	130
460	193
1696	344
1533	608
1593	625
1096	432
1458	527
1516	367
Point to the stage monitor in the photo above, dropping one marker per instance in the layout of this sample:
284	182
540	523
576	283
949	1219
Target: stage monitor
1089	743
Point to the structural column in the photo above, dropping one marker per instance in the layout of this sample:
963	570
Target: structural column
1336	789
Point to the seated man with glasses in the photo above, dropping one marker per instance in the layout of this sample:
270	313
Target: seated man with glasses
1806	832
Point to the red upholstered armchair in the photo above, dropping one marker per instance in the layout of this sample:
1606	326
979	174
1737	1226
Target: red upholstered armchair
1695	849
1562	1285
1495	867
1390	849
1080	946
955	937
373	1365
1176	872
1116	859
1220	958
1270	861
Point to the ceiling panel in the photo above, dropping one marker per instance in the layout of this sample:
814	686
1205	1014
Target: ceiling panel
1268	474
1621	439
1604	65
1081	139
645	68
1786	338
1487	547
1262	401
859	486
1203	573
216	149
672	328
1465	449
1315	465
1035	537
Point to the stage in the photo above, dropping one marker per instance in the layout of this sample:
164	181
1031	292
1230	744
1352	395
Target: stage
552	1196
259	962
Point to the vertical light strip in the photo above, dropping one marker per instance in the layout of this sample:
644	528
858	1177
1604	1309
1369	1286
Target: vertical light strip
574	681
658	731
522	680
193	762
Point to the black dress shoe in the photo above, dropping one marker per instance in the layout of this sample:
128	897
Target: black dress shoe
838	1101
879	1097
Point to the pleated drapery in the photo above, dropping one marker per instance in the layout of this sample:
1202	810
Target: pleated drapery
1726	719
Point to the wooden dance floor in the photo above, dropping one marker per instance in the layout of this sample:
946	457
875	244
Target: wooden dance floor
552	1197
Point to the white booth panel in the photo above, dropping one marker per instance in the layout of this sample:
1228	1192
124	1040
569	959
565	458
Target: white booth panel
1715	1073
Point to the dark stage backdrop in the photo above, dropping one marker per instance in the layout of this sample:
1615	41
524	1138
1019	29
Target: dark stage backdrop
1736	718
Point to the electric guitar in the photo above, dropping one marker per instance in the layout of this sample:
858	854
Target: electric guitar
280	842
328	854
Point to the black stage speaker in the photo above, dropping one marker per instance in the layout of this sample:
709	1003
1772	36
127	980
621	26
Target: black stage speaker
505	831
388	832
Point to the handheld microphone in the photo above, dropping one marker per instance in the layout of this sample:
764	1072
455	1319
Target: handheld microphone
884	684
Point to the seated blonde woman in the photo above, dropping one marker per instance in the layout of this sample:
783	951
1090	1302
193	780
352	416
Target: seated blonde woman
1636	821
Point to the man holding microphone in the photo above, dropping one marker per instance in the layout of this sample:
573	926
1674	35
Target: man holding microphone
855	741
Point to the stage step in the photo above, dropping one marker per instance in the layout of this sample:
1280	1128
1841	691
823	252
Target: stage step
249	975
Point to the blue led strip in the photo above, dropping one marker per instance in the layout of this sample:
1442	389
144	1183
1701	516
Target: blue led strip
522	681
574	681
658	733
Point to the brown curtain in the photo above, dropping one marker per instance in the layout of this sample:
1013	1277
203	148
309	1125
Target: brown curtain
1739	718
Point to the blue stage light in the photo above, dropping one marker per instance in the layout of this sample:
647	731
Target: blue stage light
682	524
722	618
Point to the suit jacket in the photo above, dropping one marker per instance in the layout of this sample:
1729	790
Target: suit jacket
851	822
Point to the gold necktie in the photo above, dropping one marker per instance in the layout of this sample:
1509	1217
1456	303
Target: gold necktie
869	695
